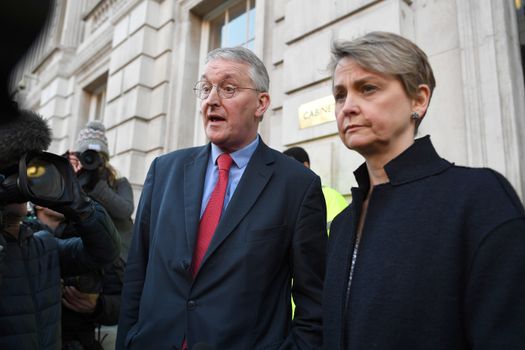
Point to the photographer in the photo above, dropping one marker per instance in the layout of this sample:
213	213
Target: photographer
98	301
90	161
32	261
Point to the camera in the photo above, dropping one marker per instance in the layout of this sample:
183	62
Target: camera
40	177
90	282
90	159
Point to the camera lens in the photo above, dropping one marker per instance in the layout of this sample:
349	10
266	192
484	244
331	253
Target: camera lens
44	179
90	159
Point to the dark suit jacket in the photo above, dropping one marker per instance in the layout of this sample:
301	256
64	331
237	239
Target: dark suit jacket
273	230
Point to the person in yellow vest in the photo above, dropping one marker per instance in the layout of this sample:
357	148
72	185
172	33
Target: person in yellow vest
335	202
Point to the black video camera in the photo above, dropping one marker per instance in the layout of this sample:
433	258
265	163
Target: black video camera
40	177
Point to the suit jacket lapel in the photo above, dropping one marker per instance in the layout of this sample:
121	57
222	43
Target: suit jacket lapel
257	174
194	173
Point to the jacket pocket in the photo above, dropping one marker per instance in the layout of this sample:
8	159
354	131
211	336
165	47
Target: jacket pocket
266	234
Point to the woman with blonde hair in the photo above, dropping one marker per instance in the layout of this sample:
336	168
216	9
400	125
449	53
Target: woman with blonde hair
429	255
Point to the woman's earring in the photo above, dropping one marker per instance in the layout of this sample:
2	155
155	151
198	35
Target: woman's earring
415	115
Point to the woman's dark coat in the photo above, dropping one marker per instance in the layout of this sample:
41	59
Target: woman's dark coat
118	202
441	263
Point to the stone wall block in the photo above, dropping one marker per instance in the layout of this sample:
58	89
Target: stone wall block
278	46
120	56
159	101
162	38
139	71
276	87
305	16
444	116
279	9
155	131
126	163
114	86
132	135
121	31
111	135
114	112
146	13
159	72
58	106
58	127
430	16
136	103
58	86
305	61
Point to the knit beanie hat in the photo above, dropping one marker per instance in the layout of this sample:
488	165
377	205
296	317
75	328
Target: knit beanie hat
93	137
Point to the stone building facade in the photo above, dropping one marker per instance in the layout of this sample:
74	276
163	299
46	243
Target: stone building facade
133	64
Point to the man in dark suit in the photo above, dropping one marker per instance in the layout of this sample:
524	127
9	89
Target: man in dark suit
221	230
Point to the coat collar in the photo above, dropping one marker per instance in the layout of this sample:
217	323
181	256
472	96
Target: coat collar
418	161
194	173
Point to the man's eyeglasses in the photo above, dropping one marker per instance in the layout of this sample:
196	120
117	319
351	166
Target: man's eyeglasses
225	90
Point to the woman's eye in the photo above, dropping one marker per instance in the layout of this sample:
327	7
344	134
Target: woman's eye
366	89
339	97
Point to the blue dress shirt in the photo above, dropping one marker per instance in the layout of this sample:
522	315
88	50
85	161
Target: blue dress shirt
240	160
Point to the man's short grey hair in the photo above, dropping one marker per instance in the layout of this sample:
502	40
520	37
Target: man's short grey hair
387	53
258	72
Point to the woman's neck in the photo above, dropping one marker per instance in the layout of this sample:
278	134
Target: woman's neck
376	162
376	172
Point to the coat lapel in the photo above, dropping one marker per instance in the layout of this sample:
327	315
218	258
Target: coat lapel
257	174
194	173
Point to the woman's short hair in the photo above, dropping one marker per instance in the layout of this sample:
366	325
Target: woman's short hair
258	72
387	53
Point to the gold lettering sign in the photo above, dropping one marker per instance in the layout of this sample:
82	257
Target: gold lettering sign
316	112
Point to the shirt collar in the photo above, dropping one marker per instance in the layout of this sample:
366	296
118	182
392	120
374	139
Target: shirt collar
240	157
416	162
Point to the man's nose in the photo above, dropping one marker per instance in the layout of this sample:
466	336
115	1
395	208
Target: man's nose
213	98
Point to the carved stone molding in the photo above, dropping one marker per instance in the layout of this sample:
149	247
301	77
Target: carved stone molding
100	13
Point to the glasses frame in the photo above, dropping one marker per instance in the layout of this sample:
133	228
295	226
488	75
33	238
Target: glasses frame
220	92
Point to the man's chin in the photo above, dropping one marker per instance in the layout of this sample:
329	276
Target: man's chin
215	135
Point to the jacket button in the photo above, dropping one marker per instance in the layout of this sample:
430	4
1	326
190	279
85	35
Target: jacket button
191	305
184	265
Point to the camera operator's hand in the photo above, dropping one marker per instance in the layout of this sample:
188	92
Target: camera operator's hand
88	179
75	162
78	301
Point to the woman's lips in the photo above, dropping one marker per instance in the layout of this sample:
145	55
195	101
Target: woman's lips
353	127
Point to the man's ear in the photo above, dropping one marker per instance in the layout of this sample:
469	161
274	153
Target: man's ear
420	102
263	102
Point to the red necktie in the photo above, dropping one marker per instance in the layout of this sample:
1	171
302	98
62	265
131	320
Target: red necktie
212	213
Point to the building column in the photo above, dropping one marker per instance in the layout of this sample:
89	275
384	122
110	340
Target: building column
493	98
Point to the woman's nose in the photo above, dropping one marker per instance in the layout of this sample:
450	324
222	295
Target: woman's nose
350	106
